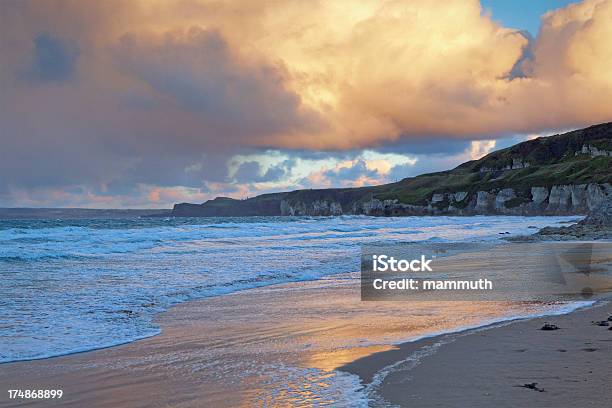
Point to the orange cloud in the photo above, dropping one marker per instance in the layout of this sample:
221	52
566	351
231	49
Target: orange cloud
412	68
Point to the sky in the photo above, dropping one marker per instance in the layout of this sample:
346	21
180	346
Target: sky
522	14
147	103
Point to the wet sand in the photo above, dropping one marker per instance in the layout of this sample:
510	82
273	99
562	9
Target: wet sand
515	365
275	346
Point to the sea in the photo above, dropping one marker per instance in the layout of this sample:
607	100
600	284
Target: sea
72	285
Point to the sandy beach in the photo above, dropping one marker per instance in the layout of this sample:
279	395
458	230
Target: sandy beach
516	364
283	346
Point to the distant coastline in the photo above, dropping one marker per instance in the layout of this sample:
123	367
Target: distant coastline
75	213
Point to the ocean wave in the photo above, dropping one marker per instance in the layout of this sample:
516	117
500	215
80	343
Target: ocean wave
39	257
60	276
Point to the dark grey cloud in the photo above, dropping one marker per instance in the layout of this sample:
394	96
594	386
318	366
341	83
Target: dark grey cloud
401	171
522	67
352	173
409	146
248	172
252	171
52	59
424	145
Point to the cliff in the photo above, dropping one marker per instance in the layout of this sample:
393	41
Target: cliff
562	174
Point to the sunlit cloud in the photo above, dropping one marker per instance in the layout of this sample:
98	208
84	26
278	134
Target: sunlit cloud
480	148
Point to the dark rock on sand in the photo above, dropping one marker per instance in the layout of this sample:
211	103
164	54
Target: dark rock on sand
532	386
601	323
548	327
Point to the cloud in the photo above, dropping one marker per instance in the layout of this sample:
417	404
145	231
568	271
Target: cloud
194	73
365	168
481	148
150	100
352	174
52	59
527	56
252	172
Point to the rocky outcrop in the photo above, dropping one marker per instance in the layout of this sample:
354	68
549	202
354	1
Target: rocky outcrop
593	151
387	208
484	202
595	195
539	195
503	197
315	208
516	164
600	216
559	199
596	226
555	200
460	196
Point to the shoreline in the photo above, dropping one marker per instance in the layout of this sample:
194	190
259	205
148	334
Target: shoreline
483	325
356	368
494	239
167	368
433	370
103	318
340	276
